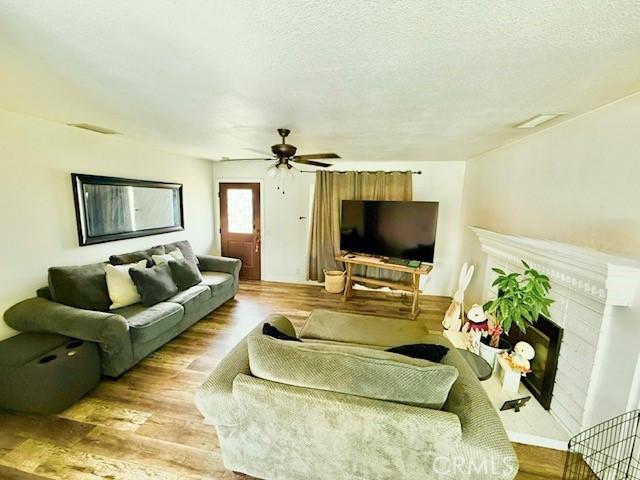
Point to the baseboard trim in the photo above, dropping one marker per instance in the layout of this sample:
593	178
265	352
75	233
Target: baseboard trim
527	439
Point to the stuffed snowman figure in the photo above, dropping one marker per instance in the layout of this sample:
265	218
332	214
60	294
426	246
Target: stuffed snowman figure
520	358
478	326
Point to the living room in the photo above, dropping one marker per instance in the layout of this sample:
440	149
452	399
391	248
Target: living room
178	184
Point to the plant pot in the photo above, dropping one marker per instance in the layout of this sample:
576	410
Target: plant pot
490	353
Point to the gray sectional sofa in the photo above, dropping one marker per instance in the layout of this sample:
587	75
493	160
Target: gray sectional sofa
126	335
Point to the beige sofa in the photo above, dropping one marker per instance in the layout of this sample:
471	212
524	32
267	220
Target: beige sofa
275	430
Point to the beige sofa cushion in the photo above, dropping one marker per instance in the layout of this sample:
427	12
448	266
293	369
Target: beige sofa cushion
363	329
359	371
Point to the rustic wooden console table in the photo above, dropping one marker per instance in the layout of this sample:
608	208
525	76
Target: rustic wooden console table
381	262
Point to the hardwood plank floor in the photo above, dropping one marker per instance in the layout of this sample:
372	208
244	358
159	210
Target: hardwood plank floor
145	425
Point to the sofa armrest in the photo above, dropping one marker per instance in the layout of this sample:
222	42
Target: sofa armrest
212	263
483	434
109	330
215	398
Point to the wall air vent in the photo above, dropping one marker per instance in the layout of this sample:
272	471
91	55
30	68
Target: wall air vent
94	128
539	120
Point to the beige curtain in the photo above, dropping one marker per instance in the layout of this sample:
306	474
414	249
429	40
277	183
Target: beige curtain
333	187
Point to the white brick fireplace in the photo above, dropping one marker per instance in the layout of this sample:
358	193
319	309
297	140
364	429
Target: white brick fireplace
597	304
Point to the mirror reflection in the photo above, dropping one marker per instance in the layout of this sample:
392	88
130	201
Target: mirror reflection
118	209
115	208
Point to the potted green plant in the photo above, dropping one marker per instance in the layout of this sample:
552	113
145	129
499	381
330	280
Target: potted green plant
521	299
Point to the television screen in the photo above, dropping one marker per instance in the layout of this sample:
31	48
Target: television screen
397	229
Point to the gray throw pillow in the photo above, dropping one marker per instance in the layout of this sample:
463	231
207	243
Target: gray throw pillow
154	284
135	257
184	273
81	287
185	247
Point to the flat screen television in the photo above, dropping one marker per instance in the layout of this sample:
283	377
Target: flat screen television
397	229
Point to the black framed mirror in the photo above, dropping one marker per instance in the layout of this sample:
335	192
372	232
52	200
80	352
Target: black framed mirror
111	208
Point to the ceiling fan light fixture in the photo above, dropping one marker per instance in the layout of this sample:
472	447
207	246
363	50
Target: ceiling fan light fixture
292	172
273	171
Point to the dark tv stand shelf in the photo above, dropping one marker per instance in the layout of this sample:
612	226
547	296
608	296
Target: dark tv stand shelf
351	259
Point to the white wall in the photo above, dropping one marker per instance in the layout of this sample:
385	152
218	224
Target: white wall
36	200
577	183
285	235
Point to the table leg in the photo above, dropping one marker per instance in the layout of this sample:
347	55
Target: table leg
415	307
347	284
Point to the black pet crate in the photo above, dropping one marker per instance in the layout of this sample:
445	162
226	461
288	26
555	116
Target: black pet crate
608	451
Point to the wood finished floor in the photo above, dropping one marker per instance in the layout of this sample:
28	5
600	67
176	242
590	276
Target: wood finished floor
145	424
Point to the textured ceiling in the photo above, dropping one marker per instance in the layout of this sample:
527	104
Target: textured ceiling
404	80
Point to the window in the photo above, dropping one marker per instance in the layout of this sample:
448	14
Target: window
240	210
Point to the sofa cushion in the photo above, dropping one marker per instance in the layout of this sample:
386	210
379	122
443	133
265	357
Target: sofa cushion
184	273
172	255
81	287
146	323
185	247
363	329
359	371
135	257
216	280
44	292
192	299
154	284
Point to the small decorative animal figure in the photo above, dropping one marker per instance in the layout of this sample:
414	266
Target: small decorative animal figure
453	318
520	358
477	325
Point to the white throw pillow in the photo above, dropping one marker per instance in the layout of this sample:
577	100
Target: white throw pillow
175	255
122	291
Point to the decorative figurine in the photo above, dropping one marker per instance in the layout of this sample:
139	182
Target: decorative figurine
453	318
477	325
520	358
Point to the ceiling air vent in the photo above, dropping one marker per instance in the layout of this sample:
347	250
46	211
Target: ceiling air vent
539	120
94	128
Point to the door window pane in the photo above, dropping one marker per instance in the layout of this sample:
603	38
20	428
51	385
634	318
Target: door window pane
240	210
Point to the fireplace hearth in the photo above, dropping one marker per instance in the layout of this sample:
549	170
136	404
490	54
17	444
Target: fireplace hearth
545	337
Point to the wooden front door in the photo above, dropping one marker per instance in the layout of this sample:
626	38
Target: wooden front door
240	226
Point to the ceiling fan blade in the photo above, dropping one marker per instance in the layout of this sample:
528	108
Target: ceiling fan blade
310	162
226	159
317	156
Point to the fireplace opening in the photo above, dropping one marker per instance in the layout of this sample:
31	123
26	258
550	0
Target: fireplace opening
545	337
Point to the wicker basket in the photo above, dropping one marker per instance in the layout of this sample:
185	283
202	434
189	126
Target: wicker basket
334	281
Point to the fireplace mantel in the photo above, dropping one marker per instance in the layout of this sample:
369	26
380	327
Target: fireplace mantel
605	278
588	287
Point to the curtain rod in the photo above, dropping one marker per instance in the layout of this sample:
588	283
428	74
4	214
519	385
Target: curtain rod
416	172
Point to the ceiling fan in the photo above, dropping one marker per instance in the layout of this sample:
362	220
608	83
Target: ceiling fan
285	153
